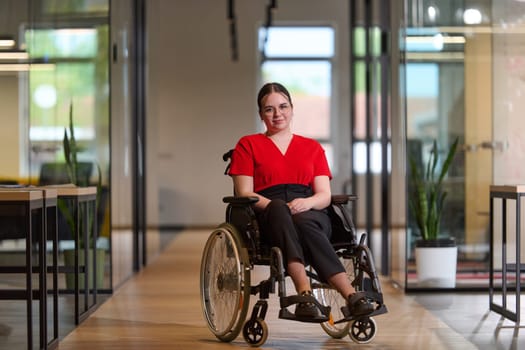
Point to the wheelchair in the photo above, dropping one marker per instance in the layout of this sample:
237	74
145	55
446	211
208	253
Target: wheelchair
235	247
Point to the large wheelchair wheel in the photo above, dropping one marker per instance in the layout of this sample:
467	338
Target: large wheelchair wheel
331	297
225	283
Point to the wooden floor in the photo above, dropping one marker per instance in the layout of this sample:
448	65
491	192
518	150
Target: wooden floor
159	308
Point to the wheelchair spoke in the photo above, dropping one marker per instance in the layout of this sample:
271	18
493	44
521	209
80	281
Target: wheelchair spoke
223	285
331	297
225	281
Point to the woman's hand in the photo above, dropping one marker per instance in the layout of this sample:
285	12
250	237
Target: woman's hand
320	199
299	205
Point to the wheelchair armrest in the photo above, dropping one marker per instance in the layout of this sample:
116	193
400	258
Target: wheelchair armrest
343	198
240	200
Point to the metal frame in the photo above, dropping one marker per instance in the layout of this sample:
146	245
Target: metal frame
51	226
84	200
369	15
30	202
506	193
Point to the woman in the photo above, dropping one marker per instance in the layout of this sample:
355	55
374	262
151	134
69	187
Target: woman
290	176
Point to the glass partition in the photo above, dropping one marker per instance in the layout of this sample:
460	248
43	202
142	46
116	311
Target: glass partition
463	72
53	67
72	90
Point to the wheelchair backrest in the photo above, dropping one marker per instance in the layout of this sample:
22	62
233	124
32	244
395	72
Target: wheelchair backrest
342	229
227	157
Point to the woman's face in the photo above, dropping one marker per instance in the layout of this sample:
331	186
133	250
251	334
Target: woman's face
276	112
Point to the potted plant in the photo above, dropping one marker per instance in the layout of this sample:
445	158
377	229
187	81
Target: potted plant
436	254
71	150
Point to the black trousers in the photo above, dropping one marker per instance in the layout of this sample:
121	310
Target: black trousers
304	236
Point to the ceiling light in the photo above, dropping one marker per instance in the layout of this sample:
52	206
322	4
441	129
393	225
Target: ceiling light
437	38
433	13
24	67
472	16
13	55
6	43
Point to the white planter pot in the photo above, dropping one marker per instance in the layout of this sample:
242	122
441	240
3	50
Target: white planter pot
436	266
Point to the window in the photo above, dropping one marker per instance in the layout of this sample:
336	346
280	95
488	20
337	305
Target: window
301	59
79	78
364	151
72	80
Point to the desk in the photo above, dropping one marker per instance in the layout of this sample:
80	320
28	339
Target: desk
506	193
28	204
82	202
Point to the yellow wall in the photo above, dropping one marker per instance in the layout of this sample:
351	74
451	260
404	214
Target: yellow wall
478	129
10	130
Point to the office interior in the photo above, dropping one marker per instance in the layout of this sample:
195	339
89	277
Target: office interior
159	90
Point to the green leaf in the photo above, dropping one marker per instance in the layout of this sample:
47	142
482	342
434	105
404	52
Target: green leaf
71	150
427	198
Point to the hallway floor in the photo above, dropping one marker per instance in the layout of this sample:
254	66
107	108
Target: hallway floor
159	308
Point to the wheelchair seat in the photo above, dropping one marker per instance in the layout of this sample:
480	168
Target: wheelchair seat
235	247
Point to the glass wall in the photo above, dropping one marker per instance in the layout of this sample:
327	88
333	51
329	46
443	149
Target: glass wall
124	108
460	59
54	80
435	89
75	80
71	93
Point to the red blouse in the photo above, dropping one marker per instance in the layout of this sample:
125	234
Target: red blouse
257	156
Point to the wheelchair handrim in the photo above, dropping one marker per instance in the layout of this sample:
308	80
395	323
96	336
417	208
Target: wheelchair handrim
230	329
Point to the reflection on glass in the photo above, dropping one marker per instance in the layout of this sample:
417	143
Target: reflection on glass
54	7
78	84
78	80
60	59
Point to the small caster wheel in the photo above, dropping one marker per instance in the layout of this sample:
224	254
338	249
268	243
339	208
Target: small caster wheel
255	332
363	330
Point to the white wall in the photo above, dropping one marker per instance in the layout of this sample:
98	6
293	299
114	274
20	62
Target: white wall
199	102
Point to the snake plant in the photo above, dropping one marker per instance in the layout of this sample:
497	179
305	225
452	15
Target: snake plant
71	150
427	196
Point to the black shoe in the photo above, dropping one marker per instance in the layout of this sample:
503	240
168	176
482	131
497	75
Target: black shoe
307	309
358	305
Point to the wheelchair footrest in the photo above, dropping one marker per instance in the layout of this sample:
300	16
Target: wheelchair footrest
379	308
287	315
285	301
